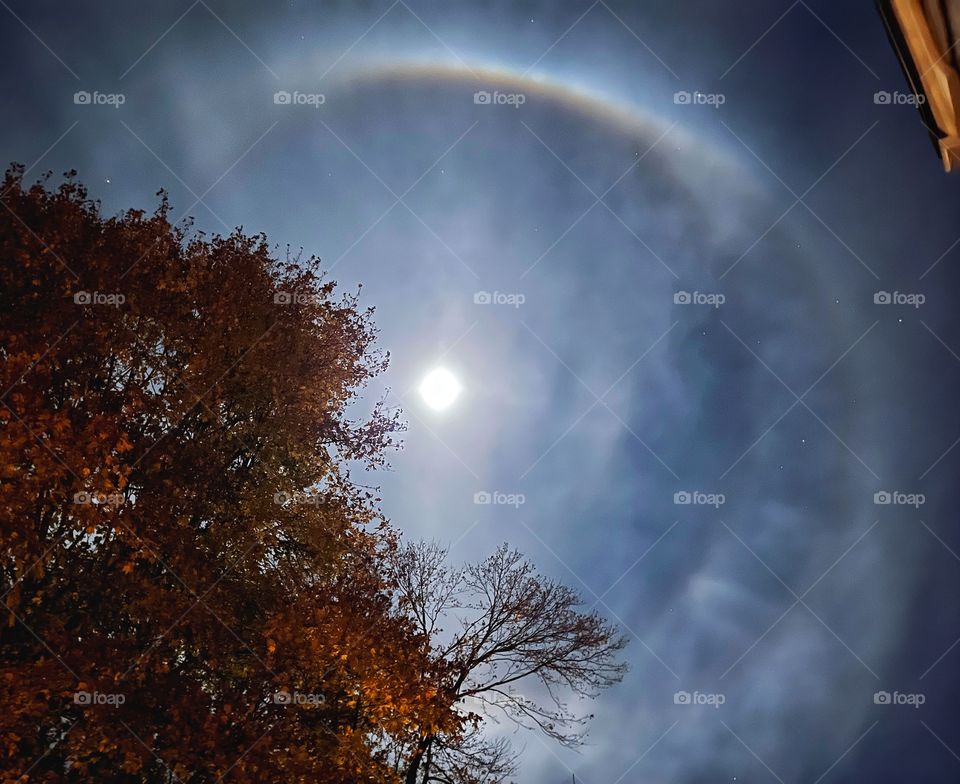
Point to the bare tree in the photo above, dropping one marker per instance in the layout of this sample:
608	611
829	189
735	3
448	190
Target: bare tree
519	647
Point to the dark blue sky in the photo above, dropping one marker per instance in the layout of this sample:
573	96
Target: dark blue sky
781	197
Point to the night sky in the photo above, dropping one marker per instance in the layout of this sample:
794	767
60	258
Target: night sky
657	260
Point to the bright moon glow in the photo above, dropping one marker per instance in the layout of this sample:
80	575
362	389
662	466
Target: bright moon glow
439	389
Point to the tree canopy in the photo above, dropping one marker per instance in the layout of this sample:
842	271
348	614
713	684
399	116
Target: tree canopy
195	587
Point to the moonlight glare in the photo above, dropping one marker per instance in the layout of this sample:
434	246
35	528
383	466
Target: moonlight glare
440	389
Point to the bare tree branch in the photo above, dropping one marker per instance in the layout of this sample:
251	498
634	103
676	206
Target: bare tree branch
522	642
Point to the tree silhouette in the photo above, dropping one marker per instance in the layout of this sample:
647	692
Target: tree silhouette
519	644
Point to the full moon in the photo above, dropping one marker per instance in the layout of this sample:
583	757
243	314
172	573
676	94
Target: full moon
439	389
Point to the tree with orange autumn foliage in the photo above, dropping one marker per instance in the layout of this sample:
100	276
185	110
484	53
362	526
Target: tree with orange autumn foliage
191	581
194	588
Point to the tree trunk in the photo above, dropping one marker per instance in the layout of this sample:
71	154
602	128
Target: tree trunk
414	767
